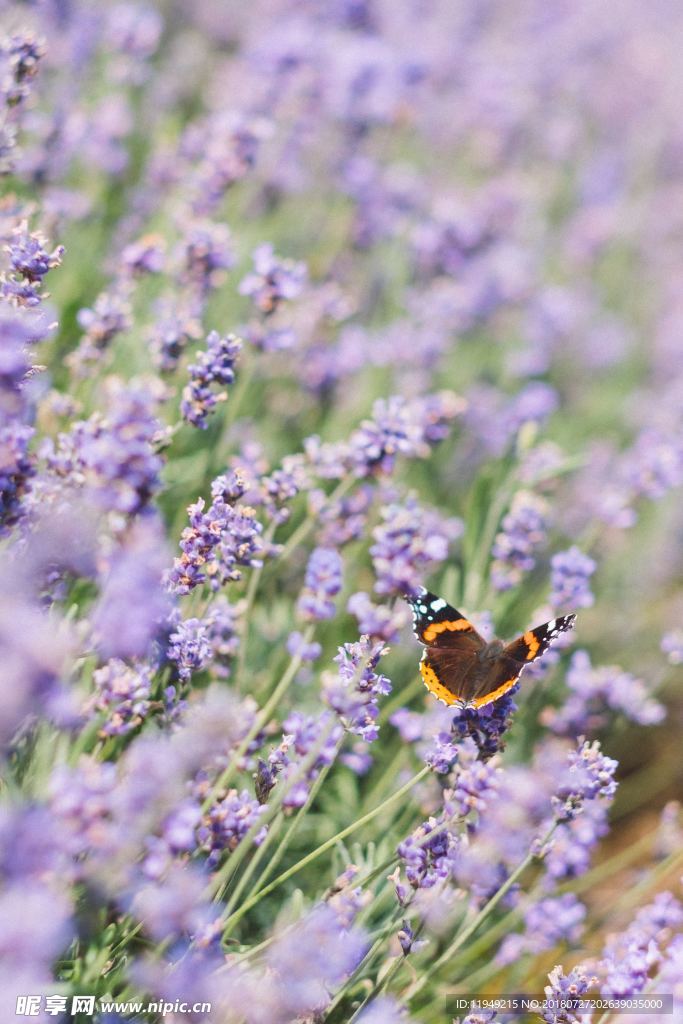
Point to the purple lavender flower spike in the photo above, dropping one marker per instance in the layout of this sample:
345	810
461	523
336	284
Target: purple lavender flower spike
672	645
546	924
30	262
381	622
214	366
523	531
123	693
322	583
487	725
303	733
219	541
133	576
226	824
273	280
594	692
589	775
206	253
628	957
565	988
407	543
189	646
297	648
426	860
403	428
145	256
353	693
109	316
20	56
571	571
301	962
16	470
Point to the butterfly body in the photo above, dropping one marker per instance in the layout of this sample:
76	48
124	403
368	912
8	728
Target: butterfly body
461	668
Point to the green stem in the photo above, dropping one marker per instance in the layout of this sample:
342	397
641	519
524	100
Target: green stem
476	573
294	824
472	927
273	831
250	597
261	719
380	986
220	880
318	852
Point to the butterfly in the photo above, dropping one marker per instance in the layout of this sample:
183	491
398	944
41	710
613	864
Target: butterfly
458	666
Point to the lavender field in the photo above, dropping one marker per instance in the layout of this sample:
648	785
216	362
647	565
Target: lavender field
306	305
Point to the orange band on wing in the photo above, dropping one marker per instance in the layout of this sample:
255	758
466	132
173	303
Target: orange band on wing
532	643
431	681
481	702
457	625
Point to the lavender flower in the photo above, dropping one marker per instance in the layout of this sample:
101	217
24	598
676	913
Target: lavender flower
304	735
222	633
282	485
145	256
113	455
403	428
426	858
409	540
226	824
546	924
300	960
564	988
16	469
123	693
523	531
175	907
353	693
30	262
589	775
189	647
381	622
595	691
323	582
110	316
215	366
273	280
571	571
672	645
487	725
132	577
474	782
20	56
574	843
630	956
173	329
298	648
35	651
218	541
206	253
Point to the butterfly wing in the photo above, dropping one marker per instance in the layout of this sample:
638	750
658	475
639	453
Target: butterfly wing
535	642
445	673
451	642
437	624
516	655
504	674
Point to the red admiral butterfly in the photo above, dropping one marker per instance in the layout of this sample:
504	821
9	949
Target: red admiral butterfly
459	667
